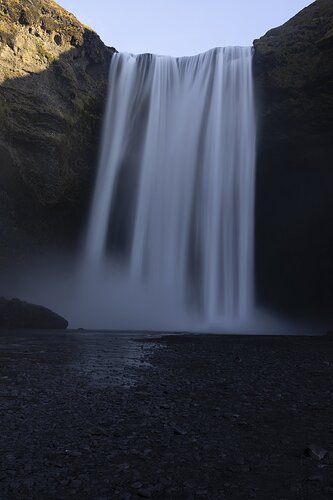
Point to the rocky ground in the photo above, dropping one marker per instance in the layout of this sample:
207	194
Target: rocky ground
107	416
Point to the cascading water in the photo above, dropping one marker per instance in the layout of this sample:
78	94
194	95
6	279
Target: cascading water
174	198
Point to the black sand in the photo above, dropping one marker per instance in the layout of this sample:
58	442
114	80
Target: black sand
84	417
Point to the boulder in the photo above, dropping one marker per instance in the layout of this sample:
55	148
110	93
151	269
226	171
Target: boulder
16	314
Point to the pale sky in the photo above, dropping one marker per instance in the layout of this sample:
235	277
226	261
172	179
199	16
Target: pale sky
181	27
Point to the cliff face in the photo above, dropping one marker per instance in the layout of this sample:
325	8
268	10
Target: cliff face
293	68
53	77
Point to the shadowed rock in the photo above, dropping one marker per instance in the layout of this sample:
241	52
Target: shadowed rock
16	314
293	67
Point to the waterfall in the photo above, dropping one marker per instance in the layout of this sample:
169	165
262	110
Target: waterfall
174	197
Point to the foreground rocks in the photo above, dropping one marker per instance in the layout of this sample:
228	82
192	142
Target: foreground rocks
293	67
210	417
16	314
53	78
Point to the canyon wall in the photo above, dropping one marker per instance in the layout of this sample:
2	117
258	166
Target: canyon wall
293	67
53	77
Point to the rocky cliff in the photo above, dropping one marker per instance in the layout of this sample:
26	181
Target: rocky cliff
293	67
53	77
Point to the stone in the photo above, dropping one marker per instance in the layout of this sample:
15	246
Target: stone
201	493
315	477
229	415
316	452
145	493
137	485
16	314
178	431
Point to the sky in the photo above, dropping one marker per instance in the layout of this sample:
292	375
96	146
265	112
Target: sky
181	27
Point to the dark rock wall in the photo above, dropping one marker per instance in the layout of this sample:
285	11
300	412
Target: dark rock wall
293	68
53	78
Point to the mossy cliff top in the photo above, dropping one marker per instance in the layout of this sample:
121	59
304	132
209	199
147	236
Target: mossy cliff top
38	32
298	53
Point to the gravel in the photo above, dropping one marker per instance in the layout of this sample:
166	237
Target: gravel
117	416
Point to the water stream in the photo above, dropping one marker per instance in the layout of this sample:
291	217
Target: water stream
172	218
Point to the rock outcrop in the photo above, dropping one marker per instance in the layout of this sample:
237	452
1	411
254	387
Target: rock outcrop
293	68
53	77
16	314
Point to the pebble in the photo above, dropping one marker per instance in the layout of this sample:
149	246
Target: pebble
145	493
316	452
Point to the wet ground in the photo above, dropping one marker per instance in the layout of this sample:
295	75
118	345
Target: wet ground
106	416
